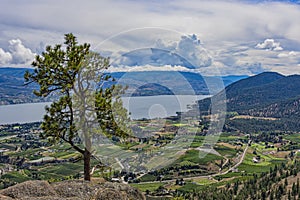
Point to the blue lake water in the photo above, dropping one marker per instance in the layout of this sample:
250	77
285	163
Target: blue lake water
139	107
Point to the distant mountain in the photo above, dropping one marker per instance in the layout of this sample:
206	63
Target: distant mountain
150	83
12	89
259	91
268	94
255	81
277	90
185	83
232	78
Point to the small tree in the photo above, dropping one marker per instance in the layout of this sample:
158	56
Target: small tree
75	74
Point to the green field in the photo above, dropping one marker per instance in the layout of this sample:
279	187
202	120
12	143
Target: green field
293	137
199	157
147	186
226	151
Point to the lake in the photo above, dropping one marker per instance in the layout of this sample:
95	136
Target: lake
139	107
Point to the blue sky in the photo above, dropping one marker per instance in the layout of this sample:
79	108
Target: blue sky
214	36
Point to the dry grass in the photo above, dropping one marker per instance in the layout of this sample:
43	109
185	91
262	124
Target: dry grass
281	154
227	145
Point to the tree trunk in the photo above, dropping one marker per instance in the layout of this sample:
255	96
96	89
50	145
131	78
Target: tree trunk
87	164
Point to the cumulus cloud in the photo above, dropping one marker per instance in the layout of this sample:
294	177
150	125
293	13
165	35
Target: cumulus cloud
20	54
190	48
5	57
17	54
269	44
187	52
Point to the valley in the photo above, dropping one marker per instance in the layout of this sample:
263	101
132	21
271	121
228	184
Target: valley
236	156
250	148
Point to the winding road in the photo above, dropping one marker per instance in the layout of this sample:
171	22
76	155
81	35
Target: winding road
208	176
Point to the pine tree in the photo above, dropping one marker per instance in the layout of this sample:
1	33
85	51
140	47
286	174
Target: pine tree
75	74
294	190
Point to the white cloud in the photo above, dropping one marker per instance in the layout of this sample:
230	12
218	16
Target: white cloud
147	68
253	68
5	57
17	54
187	52
218	23
237	68
269	44
288	54
189	47
96	20
20	54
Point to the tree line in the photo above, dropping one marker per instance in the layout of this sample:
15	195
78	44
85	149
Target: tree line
280	182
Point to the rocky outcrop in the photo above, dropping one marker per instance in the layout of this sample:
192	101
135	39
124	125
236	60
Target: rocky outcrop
70	190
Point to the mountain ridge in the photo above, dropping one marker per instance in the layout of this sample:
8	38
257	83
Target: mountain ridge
259	96
269	95
13	90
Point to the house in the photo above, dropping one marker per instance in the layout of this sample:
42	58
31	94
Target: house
255	160
116	180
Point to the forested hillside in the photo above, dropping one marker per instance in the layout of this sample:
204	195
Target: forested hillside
267	95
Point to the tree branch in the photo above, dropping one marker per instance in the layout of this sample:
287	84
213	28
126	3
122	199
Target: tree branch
73	145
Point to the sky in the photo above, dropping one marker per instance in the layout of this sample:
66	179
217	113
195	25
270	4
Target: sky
211	37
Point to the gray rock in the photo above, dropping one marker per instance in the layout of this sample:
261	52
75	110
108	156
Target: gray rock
71	190
29	189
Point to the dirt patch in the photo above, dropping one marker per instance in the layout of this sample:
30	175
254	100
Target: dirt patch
227	145
281	154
